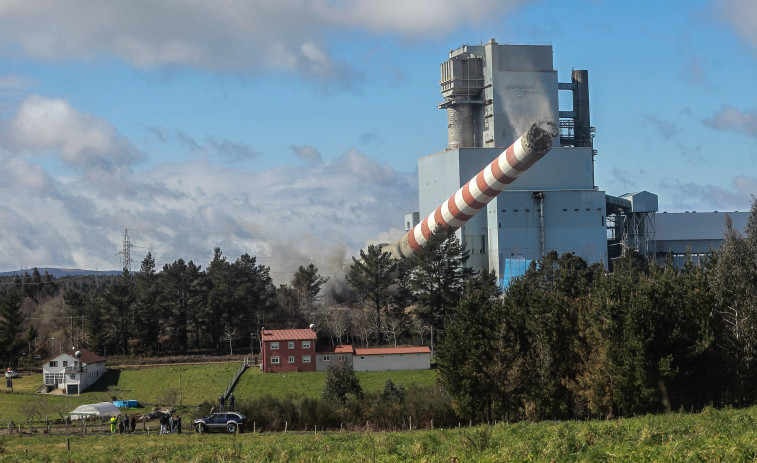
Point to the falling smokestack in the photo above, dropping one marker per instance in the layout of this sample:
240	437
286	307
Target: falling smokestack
480	190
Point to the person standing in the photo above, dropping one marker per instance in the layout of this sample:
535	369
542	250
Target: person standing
133	424
221	400
170	424
178	424
231	402
113	420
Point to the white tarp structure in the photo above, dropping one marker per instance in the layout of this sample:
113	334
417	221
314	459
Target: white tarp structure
101	410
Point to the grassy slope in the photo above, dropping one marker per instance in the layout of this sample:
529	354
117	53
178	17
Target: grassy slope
714	435
152	385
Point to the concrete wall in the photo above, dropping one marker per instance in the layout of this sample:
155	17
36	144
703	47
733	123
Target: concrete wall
392	362
574	221
325	359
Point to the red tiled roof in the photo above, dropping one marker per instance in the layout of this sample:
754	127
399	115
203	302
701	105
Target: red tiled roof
392	350
87	357
347	349
288	335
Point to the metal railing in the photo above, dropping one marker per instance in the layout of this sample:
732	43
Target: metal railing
234	380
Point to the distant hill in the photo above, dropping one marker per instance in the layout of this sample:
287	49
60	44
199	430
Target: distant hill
62	272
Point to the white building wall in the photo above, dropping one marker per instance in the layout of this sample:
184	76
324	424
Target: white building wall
82	379
324	360
574	221
391	362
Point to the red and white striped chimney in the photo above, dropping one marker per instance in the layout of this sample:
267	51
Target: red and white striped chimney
485	186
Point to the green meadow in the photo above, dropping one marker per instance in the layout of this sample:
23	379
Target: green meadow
713	435
191	385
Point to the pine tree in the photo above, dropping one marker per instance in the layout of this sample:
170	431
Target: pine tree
466	367
437	277
11	326
371	277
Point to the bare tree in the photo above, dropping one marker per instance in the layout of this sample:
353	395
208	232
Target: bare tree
363	324
420	327
230	334
335	322
393	327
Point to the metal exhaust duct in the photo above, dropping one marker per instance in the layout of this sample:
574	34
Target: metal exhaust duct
480	190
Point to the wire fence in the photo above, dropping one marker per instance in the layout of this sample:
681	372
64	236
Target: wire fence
56	427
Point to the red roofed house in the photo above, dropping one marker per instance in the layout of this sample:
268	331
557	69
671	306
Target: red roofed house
391	358
295	350
288	350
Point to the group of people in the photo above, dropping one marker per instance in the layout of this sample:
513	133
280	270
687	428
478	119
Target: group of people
221	401
123	424
169	424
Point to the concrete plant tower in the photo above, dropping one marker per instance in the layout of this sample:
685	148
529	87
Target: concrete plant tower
492	94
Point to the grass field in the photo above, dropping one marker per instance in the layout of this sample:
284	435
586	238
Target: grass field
161	384
714	435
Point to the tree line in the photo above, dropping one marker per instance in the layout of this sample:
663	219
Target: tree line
569	340
182	308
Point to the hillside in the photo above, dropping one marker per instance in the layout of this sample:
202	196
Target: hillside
62	272
191	385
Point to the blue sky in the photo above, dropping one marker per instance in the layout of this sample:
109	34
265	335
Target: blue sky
291	130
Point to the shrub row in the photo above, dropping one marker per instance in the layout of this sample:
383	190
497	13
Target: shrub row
422	406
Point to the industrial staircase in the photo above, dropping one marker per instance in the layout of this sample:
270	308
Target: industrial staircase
235	380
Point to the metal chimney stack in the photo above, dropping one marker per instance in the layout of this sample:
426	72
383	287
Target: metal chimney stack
481	189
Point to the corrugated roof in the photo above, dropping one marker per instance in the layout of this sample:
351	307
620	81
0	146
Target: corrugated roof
87	357
288	335
392	350
346	349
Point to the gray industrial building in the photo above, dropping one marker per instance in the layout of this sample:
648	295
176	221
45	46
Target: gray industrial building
492	94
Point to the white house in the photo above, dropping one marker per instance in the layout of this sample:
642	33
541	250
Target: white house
325	356
73	371
391	358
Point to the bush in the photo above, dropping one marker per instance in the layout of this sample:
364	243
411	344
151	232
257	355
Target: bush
340	381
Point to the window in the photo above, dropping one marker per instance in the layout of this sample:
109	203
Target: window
291	345
65	363
275	360
306	344
291	359
305	359
341	358
326	358
274	346
53	363
72	376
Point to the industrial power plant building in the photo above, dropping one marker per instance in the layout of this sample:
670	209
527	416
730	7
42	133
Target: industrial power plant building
493	93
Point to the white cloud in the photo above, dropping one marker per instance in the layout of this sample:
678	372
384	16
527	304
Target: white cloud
287	216
308	153
43	126
412	19
733	120
692	196
225	35
227	149
742	15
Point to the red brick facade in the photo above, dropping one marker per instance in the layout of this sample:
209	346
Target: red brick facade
288	350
